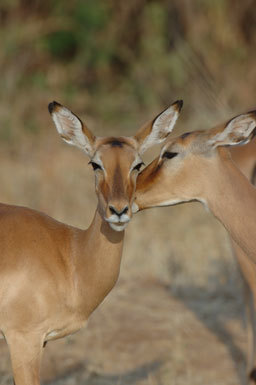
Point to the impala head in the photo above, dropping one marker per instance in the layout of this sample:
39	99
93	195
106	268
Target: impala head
116	160
178	174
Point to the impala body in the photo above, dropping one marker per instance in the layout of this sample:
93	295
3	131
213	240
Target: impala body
198	166
52	275
245	159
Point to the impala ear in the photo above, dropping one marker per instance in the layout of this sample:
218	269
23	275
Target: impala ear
159	128
239	130
71	128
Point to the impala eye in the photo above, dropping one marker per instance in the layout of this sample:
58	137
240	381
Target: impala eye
95	166
169	155
138	166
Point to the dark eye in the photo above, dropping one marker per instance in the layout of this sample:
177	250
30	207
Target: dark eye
138	166
95	166
169	155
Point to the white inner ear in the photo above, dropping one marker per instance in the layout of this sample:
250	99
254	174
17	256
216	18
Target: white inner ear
240	127
162	127
70	128
66	122
243	126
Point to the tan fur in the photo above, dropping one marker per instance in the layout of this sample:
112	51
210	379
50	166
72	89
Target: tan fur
52	275
213	178
245	159
200	172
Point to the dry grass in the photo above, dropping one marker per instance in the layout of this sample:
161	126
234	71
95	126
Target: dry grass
175	316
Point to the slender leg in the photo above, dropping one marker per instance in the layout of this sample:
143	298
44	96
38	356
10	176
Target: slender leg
251	334
248	271
253	371
252	354
25	352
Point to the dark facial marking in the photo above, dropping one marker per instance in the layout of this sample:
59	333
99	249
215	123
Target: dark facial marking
169	155
116	143
118	188
185	135
138	166
95	166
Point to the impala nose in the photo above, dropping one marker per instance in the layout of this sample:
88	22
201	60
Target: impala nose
117	212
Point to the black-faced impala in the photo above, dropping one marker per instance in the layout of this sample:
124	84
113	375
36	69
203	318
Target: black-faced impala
52	276
198	166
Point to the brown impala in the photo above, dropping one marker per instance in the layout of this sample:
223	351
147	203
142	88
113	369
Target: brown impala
52	276
198	166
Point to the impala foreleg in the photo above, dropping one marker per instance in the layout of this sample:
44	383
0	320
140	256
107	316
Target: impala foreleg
248	272
25	352
251	333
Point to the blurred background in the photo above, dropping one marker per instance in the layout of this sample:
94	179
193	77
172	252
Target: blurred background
176	314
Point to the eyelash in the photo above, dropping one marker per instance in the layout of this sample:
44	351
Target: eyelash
95	166
138	166
169	155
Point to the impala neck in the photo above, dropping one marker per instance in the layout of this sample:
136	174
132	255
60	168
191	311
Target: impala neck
98	254
232	199
101	235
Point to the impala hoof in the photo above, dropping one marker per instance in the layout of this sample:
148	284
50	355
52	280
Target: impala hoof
253	375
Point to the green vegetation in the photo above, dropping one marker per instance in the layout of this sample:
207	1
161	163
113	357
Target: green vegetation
118	60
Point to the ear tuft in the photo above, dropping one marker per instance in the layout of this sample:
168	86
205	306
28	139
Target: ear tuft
52	106
178	104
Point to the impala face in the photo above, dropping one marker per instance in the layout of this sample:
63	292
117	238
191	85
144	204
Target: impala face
181	172
165	181
116	160
116	164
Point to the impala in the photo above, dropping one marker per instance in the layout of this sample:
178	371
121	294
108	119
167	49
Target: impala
198	166
245	159
52	275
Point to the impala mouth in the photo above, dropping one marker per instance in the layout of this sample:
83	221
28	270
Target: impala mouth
118	223
120	226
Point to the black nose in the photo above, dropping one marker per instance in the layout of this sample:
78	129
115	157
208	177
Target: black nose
113	210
